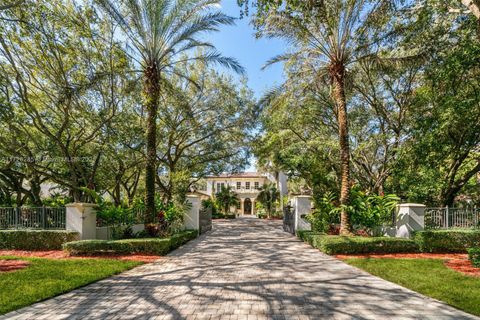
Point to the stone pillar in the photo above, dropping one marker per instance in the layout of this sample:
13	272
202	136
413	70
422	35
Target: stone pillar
191	218
302	206
410	217
82	218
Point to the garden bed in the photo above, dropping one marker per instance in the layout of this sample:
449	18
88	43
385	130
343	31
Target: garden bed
60	254
455	261
12	265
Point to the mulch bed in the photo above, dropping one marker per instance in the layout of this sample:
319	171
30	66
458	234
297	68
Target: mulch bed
456	261
12	265
59	254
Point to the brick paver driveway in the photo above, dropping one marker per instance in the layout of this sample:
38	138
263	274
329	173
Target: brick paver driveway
243	269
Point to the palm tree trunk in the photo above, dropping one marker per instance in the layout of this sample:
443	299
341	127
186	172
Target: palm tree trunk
152	93
337	74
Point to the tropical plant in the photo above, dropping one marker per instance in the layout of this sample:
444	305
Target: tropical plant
367	211
325	215
161	34
269	197
226	198
372	210
212	205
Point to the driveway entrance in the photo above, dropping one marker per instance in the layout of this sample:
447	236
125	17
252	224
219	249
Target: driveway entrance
245	268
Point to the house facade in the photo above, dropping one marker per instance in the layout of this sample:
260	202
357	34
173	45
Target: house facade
247	187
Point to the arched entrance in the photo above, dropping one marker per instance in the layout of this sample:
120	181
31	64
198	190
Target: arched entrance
247	206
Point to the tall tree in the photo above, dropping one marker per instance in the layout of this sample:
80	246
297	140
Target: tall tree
206	129
61	84
327	36
161	32
268	197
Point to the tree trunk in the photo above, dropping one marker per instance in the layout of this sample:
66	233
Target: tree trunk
151	92
337	74
473	6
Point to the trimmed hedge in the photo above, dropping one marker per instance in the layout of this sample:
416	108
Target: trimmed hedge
474	256
357	245
447	240
159	246
35	239
181	238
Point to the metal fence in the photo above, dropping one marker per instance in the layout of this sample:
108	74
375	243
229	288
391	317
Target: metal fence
205	220
289	219
32	218
447	218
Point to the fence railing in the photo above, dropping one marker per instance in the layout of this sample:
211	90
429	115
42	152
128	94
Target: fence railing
32	218
447	218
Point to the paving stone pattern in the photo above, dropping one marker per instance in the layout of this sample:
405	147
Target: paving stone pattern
243	269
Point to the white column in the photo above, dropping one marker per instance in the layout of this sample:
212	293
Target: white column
191	218
410	217
303	206
82	218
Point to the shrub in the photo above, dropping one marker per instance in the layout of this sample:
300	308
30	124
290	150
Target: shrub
211	204
357	245
159	246
325	213
181	238
474	256
147	245
35	239
447	240
366	210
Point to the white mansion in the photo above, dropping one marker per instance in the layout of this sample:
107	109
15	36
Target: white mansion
246	185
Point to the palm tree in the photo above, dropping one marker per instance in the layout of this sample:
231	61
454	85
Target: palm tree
268	197
327	36
161	34
226	198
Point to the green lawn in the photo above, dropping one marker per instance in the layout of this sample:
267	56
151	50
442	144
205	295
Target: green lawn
429	277
45	278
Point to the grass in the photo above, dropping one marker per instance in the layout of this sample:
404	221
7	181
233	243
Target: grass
429	277
46	278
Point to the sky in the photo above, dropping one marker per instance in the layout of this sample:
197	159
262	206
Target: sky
239	42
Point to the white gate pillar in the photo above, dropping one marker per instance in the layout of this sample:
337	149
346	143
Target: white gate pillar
82	218
191	218
410	217
302	206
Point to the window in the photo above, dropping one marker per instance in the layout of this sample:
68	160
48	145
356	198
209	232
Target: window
257	185
247	185
220	186
238	205
239	185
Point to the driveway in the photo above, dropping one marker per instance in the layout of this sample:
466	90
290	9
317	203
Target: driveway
243	269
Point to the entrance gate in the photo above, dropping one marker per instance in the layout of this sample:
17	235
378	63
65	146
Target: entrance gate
289	219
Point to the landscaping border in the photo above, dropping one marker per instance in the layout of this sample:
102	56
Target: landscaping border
158	246
28	239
